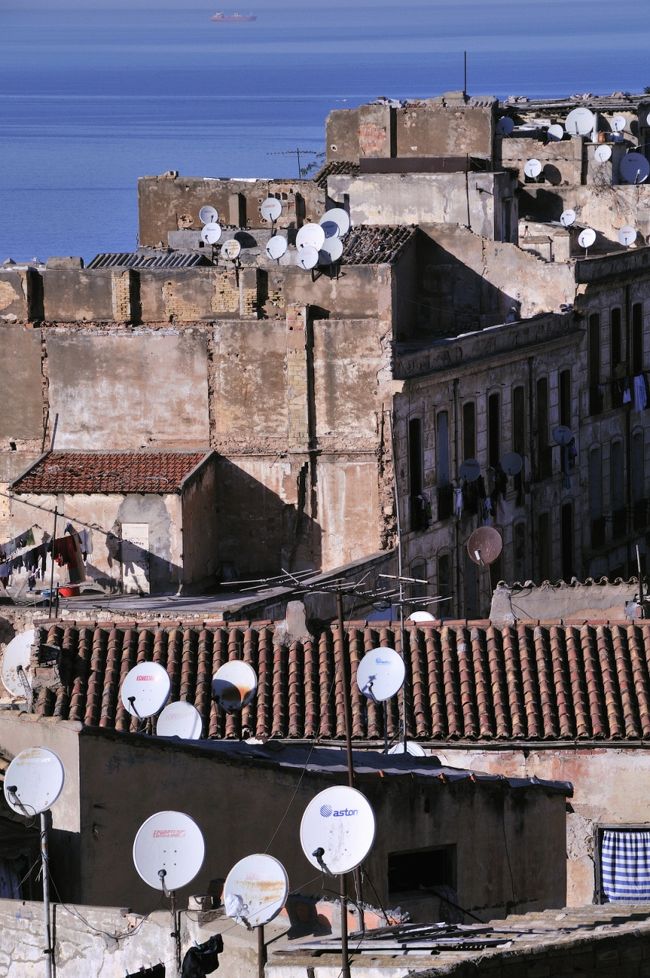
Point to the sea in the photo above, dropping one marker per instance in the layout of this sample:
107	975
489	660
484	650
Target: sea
94	93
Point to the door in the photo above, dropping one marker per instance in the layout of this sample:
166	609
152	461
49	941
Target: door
135	557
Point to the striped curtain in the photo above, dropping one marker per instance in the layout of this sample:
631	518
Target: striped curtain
625	865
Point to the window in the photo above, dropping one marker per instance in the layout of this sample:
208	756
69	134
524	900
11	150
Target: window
494	430
596	498
445	489
519	552
617	488
565	398
566	541
637	339
421	869
637	477
544	451
418	571
469	430
623	869
593	365
471	592
418	508
444	581
615	340
544	546
519	421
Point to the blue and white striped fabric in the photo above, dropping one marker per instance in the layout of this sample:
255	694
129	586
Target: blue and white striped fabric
625	865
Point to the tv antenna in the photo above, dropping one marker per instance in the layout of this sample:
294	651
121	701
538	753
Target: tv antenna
634	168
568	218
532	168
603	153
145	690
627	235
32	784
255	891
234	685
270	209
484	545
555	133
16	666
580	122
298	152
180	719
208	215
380	676
586	238
505	125
335	222
276	247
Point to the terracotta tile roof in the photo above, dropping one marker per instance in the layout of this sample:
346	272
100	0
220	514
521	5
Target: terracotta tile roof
331	170
148	259
465	681
90	472
375	245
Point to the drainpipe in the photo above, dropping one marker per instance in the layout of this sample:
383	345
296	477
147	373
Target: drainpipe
455	469
532	462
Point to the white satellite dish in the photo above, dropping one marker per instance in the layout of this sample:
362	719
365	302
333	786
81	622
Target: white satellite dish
335	218
270	209
634	168
337	829
307	258
603	153
256	890
586	238
412	748
310	236
168	850
505	125
618	123
562	435
180	719
381	674
276	246
234	685
33	781
532	168
208	215
627	235
145	689
331	251
210	233
580	122
512	463
231	249
568	217
16	659
421	616
555	133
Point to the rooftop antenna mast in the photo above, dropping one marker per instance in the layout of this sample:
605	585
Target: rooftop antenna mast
296	152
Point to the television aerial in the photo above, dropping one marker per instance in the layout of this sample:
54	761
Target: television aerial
532	168
335	222
210	233
307	258
270	209
310	236
562	435
33	781
555	133
256	890
208	215
484	545
568	217
505	125
331	251
580	122
470	470
180	719
586	238
512	463
618	123
145	689
381	674
627	235
337	830
234	685
16	664
231	249
634	168
168	851
412	748
276	246
421	616
603	153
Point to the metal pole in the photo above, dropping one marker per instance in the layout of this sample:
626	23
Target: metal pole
56	514
399	569
464	72
261	951
345	683
176	933
48	951
345	961
299	169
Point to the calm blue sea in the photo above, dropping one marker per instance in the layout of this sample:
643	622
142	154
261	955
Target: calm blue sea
91	97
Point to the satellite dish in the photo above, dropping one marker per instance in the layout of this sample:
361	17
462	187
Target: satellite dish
618	123
210	233
337	829
310	236
562	435
505	125
276	246
484	545
381	674
145	689
412	748
180	719
421	616
580	122
555	133
308	257
16	663
586	238
270	209
337	218
627	235
331	251
512	463
603	153
208	215
234	685
567	218
532	168
470	470
256	889
168	850
634	168
33	781
231	249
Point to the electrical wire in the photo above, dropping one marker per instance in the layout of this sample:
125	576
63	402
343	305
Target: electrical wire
74	912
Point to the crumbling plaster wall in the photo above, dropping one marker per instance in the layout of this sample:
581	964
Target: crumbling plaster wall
604	208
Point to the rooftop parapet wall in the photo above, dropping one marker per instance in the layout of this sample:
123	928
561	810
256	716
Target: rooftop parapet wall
171	203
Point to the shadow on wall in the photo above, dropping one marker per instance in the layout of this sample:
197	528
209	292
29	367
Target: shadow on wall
259	533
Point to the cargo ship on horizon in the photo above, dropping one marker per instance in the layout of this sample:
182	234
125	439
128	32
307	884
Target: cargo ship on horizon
222	18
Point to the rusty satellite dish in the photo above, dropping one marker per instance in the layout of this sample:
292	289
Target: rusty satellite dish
256	890
234	685
484	545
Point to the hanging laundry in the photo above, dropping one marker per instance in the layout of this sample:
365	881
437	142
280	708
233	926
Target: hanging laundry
202	959
640	393
458	501
627	393
157	971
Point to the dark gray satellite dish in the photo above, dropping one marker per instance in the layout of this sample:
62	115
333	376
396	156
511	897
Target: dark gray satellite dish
470	470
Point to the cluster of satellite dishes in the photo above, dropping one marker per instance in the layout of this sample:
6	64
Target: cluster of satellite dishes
316	244
626	235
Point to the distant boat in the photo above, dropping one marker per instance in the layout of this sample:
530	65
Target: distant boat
221	18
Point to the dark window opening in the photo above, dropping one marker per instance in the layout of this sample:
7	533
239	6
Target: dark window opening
617	489
565	398
469	430
494	430
445	489
566	534
637	338
638	480
544	450
596	499
418	571
615	341
419	507
471	589
519	552
519	431
544	546
444	581
593	365
422	869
